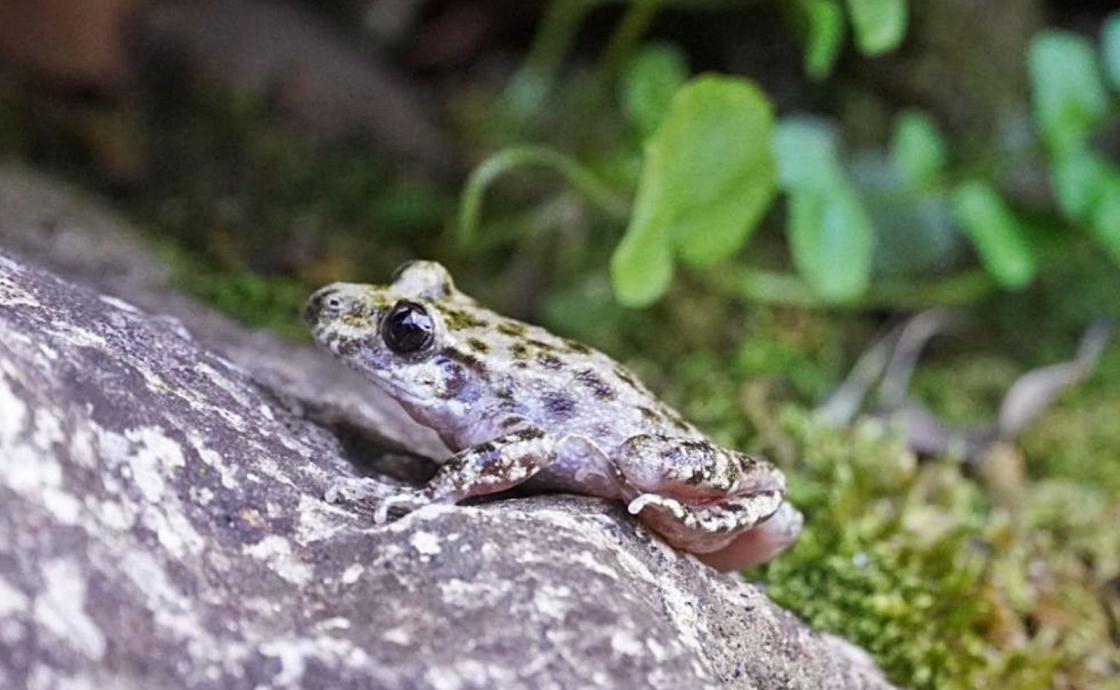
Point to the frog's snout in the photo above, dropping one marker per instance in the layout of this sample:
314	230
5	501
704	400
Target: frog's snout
313	309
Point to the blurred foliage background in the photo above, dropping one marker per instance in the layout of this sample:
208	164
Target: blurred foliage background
732	196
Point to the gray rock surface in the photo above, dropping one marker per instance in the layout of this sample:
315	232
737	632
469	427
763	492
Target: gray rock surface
162	526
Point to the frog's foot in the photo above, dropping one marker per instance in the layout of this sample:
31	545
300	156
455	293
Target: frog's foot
710	528
374	498
402	503
760	543
694	471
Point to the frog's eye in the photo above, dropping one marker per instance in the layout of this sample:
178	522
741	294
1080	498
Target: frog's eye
408	328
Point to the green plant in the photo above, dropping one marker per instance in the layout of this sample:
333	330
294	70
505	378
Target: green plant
714	160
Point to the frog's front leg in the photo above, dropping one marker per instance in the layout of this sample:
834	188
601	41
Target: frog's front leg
486	468
704	498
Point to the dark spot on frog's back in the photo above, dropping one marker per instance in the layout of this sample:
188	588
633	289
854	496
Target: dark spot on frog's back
559	405
576	346
512	328
518	351
625	376
549	361
598	387
458	320
469	361
542	345
477	345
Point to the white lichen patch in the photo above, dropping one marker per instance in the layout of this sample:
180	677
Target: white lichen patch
352	574
397	636
318	521
173	610
624	643
174	531
153	456
294	653
425	543
12	600
15	412
214	460
466	594
553	601
60	609
24	467
76	336
276	552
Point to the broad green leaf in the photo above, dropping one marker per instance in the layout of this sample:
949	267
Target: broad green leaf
648	85
1110	49
831	241
1106	215
642	263
994	232
708	175
821	24
1078	179
807	153
1069	97
830	233
918	150
880	25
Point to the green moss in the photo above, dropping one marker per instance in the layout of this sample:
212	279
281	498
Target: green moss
949	582
274	303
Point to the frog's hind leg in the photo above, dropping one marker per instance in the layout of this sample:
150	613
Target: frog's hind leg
727	507
692	470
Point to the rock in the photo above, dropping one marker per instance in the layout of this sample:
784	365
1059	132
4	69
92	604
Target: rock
162	524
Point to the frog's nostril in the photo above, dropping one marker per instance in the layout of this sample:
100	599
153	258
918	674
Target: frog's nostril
316	304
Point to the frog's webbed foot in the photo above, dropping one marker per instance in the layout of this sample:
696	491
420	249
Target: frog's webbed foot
693	470
705	499
734	533
373	498
733	514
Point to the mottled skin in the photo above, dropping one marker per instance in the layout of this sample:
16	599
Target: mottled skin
518	404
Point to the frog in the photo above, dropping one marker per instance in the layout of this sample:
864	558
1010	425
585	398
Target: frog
517	406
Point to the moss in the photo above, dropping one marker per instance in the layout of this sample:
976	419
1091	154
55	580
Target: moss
946	581
273	303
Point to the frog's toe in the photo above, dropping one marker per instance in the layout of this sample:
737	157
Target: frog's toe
357	490
400	504
759	544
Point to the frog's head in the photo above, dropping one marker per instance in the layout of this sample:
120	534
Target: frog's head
404	336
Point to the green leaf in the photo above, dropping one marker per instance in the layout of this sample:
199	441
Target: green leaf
709	174
994	232
880	25
831	241
1078	178
1110	49
918	150
807	152
821	25
642	263
830	232
1069	97
648	85
1106	216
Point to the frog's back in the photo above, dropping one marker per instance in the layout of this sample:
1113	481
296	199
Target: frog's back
561	385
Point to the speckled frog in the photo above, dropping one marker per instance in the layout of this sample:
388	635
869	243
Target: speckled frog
519	405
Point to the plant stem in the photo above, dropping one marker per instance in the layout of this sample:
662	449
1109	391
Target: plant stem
633	25
596	191
532	83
